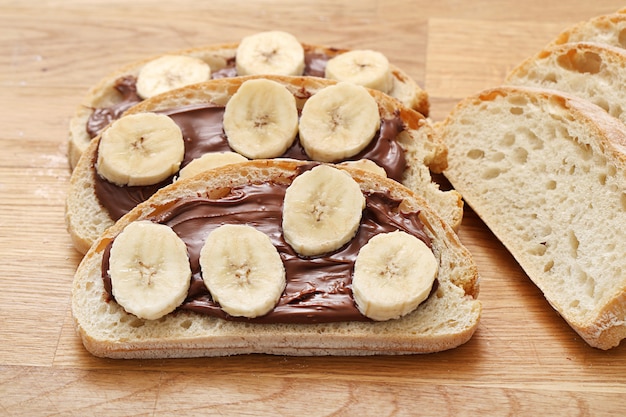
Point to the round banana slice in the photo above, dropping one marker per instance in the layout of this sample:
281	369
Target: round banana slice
261	119
140	149
149	269
322	210
209	161
338	122
363	67
272	52
242	270
366	165
169	72
393	273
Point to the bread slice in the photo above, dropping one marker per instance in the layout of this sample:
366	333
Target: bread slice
86	218
447	319
546	172
593	71
607	29
218	56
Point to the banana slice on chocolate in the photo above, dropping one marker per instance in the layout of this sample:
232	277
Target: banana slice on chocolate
363	67
338	122
272	52
261	119
393	273
149	269
209	161
140	149
169	72
322	210
242	270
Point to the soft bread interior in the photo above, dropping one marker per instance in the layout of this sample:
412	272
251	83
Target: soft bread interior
547	174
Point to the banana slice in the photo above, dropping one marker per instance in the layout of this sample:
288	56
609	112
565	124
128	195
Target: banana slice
209	161
261	119
363	67
272	52
338	122
169	72
242	270
322	210
140	149
366	165
149	269
393	273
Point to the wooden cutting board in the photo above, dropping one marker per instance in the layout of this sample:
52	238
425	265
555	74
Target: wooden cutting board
523	360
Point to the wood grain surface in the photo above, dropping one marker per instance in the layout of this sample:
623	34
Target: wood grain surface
523	360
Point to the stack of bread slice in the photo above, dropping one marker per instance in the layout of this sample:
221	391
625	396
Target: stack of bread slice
542	160
160	168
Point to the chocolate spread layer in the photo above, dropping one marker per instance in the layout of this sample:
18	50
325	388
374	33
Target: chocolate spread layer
203	132
318	288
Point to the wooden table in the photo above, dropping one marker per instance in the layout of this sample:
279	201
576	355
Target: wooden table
523	360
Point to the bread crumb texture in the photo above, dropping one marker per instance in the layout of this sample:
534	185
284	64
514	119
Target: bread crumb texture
543	179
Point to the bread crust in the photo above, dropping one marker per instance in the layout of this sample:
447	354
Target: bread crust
86	219
446	320
604	29
556	200
103	94
589	70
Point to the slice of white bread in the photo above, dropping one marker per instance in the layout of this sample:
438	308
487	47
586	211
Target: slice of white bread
218	56
593	71
608	29
447	319
86	218
546	172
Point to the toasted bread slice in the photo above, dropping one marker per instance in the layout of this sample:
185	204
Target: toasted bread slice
547	174
447	319
118	86
87	218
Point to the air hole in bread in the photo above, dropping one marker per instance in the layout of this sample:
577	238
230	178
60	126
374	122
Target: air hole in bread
491	173
535	142
602	179
548	266
622	38
623	200
89	286
611	170
508	139
497	156
550	78
551	185
574	243
136	322
518	111
520	155
475	154
585	152
601	102
538	250
584	63
186	324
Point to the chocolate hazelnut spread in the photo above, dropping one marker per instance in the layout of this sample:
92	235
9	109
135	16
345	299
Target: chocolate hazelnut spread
318	288
202	130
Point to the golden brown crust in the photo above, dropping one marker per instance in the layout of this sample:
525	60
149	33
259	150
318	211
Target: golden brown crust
445	321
